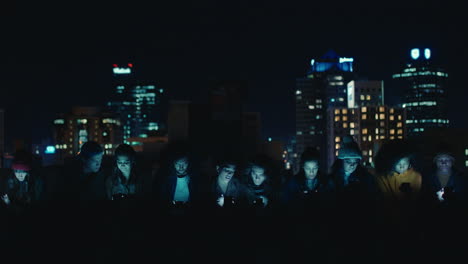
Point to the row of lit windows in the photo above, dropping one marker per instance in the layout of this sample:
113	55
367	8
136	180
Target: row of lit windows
425	103
365	97
441	121
420	74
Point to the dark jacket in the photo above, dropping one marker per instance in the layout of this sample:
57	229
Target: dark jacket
75	185
22	194
456	189
235	191
360	181
295	188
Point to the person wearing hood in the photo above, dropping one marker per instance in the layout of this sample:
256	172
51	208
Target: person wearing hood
348	175
397	179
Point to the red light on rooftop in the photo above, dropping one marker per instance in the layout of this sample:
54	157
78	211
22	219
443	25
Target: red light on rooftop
114	65
130	65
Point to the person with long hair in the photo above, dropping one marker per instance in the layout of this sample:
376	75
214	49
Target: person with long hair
307	182
124	182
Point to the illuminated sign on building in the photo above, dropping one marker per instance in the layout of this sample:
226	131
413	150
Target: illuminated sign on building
118	70
415	54
346	60
427	53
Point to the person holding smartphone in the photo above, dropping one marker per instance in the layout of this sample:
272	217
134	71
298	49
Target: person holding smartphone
397	178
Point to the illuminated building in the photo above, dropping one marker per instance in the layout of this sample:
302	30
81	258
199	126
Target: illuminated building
324	86
136	103
369	125
424	93
84	124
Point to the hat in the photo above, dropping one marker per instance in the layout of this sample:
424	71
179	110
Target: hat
349	149
20	166
443	149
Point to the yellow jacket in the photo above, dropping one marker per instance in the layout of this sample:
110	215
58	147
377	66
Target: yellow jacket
390	185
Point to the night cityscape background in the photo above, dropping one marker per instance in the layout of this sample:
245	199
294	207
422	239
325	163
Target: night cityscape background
54	62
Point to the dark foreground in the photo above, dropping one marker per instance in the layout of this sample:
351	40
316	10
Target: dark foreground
106	233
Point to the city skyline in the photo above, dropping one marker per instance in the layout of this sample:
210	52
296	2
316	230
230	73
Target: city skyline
258	44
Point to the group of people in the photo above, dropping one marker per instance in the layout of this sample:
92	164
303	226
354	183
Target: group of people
253	184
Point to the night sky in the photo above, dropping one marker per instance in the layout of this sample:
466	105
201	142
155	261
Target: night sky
53	60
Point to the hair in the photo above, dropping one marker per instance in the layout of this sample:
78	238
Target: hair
310	154
390	153
127	151
258	161
90	149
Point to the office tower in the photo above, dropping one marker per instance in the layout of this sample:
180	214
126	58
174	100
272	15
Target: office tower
425	92
324	86
137	104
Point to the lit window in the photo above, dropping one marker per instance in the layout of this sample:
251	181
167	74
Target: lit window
311	107
344	111
341	99
368	97
381	109
400	137
337	146
363	109
370	152
399	124
466	152
392	138
337	118
345	125
466	163
351	132
362	97
382	116
364	117
337	139
369	138
382	137
336	153
364	152
364	139
351	125
376	131
382	123
392	110
392	132
400	131
399	117
376	116
318	117
377	137
337	111
345	118
364	131
392	118
299	132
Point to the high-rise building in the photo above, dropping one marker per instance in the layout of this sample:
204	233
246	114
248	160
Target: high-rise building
138	105
84	124
324	86
425	87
